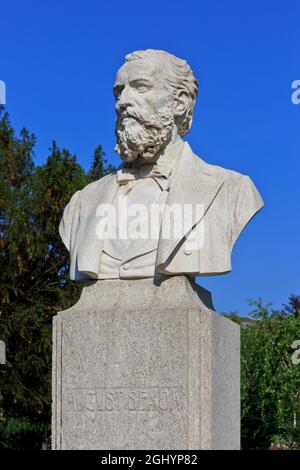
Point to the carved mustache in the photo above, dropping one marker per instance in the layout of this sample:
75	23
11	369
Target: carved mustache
145	121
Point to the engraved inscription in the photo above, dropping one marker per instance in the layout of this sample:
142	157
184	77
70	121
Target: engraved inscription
148	371
124	398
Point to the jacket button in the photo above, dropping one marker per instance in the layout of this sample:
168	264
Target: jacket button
126	266
187	251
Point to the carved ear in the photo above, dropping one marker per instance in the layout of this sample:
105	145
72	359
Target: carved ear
181	102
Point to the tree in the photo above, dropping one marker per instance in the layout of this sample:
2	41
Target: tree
270	382
34	281
100	166
293	306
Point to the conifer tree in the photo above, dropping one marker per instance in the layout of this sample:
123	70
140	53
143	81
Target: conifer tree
34	276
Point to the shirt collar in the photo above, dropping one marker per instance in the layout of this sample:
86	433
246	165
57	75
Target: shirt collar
163	165
160	170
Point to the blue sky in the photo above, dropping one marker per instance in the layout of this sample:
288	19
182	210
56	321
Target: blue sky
59	60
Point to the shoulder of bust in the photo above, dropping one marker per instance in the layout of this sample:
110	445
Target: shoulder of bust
94	186
231	176
216	171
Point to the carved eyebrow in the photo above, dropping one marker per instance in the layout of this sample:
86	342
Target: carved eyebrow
119	87
138	81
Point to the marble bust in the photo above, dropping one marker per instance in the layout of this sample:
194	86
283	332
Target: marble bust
155	95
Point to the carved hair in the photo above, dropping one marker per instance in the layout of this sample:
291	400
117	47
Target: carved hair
179	76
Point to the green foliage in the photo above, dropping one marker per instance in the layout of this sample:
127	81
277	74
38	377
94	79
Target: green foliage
23	434
34	267
270	381
100	166
233	317
34	284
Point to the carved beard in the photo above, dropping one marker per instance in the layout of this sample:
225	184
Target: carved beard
141	135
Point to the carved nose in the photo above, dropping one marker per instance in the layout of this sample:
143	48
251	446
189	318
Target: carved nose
124	105
125	100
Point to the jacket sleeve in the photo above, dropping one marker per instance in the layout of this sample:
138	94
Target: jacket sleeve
245	202
66	223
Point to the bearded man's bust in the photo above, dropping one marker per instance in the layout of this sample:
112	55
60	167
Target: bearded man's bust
165	211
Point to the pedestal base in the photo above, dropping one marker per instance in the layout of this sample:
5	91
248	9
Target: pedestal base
145	364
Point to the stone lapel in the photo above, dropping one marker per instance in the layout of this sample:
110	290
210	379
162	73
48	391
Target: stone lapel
193	183
89	245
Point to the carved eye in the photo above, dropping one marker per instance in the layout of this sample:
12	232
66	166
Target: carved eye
141	87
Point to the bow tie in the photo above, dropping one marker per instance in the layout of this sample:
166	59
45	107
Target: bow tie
126	175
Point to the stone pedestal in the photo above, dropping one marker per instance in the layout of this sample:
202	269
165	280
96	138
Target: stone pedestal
143	364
